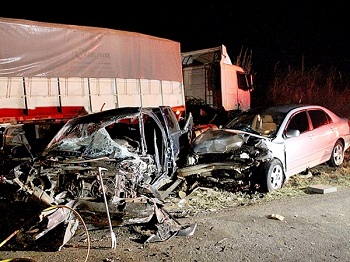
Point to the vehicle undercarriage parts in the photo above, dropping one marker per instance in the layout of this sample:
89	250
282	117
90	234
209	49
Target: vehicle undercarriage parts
113	237
73	227
168	227
92	191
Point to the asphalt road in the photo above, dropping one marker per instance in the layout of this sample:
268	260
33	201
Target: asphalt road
314	227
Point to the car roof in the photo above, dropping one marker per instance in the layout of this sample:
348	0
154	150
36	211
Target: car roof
284	108
113	113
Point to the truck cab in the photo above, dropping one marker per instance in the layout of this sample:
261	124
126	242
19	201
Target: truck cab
214	87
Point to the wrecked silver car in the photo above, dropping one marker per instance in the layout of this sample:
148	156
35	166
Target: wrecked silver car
262	147
110	167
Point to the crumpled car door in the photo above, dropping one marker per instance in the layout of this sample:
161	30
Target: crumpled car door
173	132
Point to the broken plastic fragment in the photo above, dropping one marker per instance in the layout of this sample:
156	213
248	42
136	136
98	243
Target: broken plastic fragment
276	217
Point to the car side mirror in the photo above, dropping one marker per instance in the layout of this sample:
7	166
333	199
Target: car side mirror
293	133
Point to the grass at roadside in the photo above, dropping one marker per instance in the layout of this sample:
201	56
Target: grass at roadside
320	175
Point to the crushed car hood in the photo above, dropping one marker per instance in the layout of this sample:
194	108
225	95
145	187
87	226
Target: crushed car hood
223	141
217	141
225	158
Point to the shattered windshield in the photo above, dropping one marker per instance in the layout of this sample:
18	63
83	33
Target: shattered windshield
262	122
91	140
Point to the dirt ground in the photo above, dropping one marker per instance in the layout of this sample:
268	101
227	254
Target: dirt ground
292	224
312	227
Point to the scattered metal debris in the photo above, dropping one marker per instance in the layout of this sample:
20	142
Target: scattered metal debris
276	217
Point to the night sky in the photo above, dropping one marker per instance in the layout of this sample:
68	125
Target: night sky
279	33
